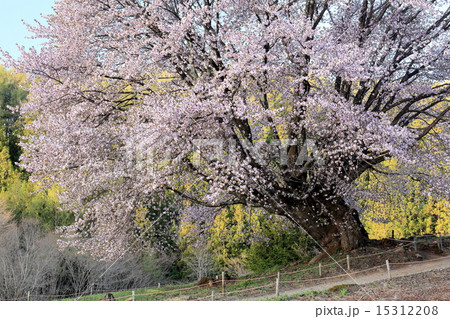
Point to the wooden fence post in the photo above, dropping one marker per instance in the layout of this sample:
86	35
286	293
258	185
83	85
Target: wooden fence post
348	262
320	269
28	296
223	283
91	291
415	244
277	286
159	285
212	295
133	296
388	269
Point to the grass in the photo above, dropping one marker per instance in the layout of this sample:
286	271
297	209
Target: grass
149	294
343	292
309	293
335	294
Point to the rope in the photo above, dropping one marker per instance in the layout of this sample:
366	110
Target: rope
420	261
381	252
330	277
251	279
163	292
236	291
404	241
250	289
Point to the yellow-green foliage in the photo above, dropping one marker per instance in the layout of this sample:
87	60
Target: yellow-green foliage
407	213
228	236
21	199
232	232
6	169
406	217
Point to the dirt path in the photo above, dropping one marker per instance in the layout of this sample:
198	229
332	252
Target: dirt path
374	276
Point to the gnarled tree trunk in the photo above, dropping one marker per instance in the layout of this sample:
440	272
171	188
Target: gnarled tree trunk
332	224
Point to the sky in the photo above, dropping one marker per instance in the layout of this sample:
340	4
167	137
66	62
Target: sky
12	30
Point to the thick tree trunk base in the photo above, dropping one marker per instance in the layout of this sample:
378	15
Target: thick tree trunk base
333	226
346	233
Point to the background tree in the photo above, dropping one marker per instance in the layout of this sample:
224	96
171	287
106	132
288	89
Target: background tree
6	167
20	198
11	95
27	259
280	105
407	210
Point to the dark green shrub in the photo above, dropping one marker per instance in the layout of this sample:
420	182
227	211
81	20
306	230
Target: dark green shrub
283	247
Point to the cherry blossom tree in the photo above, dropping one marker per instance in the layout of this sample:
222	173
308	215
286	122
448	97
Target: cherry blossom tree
277	104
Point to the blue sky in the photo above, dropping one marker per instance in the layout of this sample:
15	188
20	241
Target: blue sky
12	30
